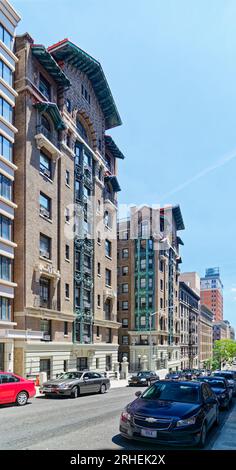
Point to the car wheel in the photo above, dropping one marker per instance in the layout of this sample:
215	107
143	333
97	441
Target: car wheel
22	398
202	440
74	392
103	388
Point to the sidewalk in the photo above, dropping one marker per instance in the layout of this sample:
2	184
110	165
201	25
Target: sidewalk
226	439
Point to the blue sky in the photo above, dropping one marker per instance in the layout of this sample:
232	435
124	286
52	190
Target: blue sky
171	66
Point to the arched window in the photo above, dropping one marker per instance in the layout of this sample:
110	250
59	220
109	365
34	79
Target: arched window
82	130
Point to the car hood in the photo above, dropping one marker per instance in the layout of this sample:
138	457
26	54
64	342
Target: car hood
218	391
163	409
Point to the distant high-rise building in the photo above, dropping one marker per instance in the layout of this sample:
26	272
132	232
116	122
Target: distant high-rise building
212	292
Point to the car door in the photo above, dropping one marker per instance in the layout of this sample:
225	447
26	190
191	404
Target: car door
87	383
7	389
210	408
97	381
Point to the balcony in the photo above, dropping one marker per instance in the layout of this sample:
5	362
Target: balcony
109	198
45	139
109	293
48	304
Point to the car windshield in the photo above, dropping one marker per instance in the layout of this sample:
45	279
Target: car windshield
140	374
70	375
224	374
172	391
215	383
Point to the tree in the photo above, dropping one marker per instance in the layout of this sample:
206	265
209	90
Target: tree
224	351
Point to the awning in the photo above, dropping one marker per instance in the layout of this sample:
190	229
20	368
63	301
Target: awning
111	145
49	63
114	183
67	51
53	111
180	241
178	218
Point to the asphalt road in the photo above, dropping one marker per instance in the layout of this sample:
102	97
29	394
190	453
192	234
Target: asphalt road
88	422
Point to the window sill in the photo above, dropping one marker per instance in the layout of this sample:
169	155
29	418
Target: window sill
45	259
66	336
45	177
108	257
45	218
99	275
99	243
67	260
67	299
67	185
108	285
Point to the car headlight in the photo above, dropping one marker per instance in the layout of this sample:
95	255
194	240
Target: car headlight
222	395
186	422
63	386
125	416
143	380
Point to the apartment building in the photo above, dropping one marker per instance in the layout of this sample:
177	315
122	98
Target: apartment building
189	326
148	287
212	292
205	337
66	191
9	20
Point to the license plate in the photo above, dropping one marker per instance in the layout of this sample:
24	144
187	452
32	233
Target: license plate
148	433
47	389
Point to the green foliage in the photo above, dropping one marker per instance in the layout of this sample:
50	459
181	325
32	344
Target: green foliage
224	352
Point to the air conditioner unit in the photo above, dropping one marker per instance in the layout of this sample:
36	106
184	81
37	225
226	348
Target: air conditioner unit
44	212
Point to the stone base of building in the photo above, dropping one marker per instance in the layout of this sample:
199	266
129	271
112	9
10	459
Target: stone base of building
31	358
6	355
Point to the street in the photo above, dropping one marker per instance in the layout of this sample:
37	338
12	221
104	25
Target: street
86	423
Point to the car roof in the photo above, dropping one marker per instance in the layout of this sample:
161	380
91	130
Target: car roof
181	382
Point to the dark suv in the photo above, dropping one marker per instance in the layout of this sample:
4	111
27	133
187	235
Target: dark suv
146	377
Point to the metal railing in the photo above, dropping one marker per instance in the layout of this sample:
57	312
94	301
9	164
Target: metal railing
49	135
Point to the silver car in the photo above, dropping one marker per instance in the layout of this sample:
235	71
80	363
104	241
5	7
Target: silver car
72	384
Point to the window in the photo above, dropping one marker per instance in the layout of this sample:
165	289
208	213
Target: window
125	305
45	87
99	269
6	110
5	309
125	340
100	173
6	73
161	303
108	248
98	332
99	237
108	277
45	165
6	37
67	178
68	105
99	144
125	270
142	282
161	265
77	297
108	335
99	300
143	264
45	246
150	301
125	322
125	253
143	321
67	291
44	285
45	205
143	302
67	252
107	219
6	148
125	288
161	284
5	227
5	187
150	282
67	214
108	309
99	206
85	93
65	328
5	268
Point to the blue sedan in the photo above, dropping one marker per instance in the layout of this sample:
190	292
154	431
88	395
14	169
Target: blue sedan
172	413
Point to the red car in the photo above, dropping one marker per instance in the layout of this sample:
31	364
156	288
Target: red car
15	389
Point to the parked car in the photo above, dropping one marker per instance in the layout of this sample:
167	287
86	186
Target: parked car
75	383
230	376
146	377
173	376
171	412
15	389
221	388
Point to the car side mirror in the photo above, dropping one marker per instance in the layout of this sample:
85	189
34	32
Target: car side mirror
211	401
85	379
138	394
